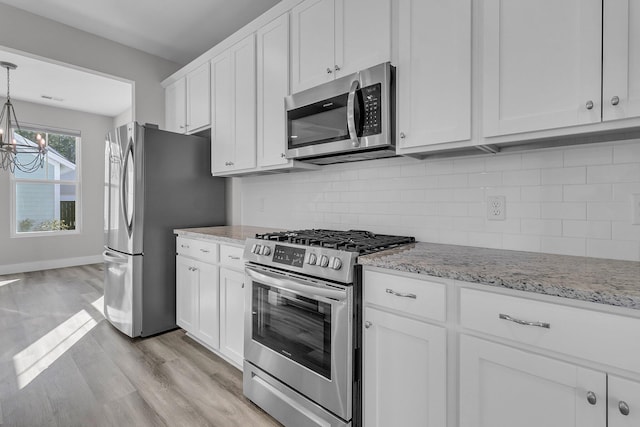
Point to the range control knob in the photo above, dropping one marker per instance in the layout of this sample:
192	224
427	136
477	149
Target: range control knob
324	261
335	263
266	250
311	260
256	249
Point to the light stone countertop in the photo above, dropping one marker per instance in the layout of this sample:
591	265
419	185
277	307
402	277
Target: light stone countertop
235	234
597	280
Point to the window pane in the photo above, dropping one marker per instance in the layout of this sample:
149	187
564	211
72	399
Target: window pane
63	145
45	207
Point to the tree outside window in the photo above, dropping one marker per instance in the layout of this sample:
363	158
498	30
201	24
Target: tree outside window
46	200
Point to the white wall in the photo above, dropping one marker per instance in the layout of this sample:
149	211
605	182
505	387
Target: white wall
33	34
572	200
35	253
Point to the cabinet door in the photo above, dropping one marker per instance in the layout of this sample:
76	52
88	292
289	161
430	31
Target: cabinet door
273	86
434	72
621	60
541	64
198	98
222	118
312	44
175	107
208	304
623	395
232	314
504	387
363	34
186	289
404	371
243	56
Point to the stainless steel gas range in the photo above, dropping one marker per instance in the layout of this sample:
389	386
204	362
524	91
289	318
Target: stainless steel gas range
303	324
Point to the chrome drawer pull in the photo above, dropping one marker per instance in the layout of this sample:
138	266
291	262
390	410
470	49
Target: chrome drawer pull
233	257
400	294
185	246
525	322
206	251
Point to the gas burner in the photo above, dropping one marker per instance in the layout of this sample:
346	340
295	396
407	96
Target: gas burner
360	241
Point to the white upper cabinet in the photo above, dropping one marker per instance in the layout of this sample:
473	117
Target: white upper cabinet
621	60
273	86
434	73
541	64
333	38
175	106
188	102
233	90
198	99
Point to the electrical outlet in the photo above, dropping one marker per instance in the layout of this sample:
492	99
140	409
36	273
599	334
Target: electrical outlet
496	208
635	209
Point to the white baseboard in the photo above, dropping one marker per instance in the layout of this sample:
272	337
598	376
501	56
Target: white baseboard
25	267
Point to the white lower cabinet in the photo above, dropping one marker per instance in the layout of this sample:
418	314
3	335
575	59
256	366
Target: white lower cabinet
232	314
210	295
623	402
501	386
404	371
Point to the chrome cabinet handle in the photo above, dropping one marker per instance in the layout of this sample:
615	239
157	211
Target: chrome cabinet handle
615	100
400	294
623	407
193	269
206	251
181	127
367	324
524	322
591	398
589	105
402	135
283	155
184	246
329	70
233	257
337	68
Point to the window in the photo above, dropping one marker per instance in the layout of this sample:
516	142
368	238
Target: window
46	201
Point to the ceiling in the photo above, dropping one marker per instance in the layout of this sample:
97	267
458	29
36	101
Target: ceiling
178	31
69	88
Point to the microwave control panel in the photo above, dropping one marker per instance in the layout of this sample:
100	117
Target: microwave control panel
372	115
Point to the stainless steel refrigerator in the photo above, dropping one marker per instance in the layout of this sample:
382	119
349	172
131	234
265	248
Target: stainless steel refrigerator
155	181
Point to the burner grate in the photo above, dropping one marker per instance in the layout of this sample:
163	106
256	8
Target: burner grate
362	242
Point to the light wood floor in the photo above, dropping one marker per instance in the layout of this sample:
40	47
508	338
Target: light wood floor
62	364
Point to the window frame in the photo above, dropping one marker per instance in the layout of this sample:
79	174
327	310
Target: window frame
77	183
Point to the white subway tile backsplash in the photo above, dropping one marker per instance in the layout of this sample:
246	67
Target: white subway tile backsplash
628	152
564	245
590	229
564	210
587	193
625	172
569	200
575	175
588	155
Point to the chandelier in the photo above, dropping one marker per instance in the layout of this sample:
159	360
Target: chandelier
16	151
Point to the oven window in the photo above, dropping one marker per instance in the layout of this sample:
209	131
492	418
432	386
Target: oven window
317	123
293	325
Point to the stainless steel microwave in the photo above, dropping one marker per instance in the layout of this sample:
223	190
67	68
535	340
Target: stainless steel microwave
347	119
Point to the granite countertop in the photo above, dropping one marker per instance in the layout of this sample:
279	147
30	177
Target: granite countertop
598	280
236	234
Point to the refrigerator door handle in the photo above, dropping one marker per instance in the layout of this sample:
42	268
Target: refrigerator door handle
107	255
124	192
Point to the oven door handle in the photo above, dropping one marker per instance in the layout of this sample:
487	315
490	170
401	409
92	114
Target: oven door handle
288	284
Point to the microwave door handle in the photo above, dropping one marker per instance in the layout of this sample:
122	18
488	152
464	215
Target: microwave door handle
351	113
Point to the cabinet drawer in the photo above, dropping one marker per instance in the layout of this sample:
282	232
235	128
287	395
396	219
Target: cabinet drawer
199	249
600	337
418	297
231	256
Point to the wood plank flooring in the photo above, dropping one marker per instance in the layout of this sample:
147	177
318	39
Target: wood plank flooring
63	364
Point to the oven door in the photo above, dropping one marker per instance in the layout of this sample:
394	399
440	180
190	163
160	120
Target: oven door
299	331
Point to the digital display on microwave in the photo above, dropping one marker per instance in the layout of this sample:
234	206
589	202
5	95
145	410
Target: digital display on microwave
289	256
